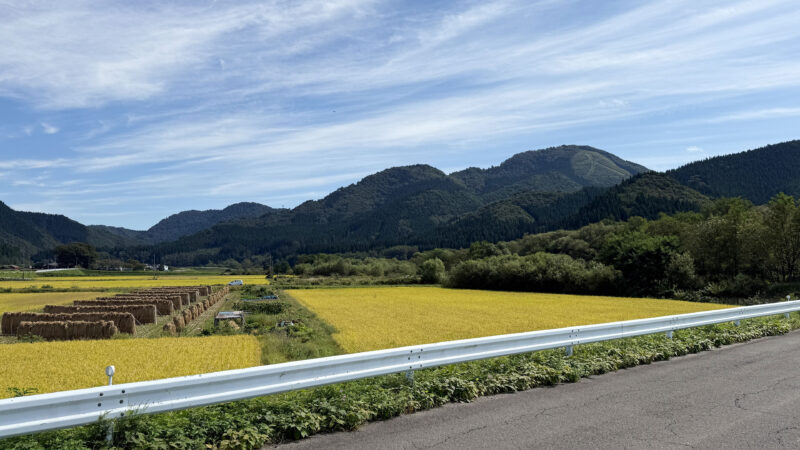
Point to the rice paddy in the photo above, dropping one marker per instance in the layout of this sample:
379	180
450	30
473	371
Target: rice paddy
56	366
35	301
378	318
126	281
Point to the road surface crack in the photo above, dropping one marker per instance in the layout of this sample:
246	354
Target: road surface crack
742	398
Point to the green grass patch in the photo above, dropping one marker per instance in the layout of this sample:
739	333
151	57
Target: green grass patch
307	337
16	275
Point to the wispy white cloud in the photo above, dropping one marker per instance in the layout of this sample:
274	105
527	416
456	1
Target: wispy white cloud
758	114
81	54
49	129
34	164
277	98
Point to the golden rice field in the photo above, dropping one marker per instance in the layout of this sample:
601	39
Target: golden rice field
57	366
377	318
36	301
129	281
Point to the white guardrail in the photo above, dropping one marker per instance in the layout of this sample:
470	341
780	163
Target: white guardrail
35	413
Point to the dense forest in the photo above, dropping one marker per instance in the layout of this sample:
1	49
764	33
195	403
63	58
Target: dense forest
646	195
412	205
756	175
533	192
430	214
728	249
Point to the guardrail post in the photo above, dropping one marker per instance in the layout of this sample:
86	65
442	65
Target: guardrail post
414	358
568	351
110	370
737	322
669	334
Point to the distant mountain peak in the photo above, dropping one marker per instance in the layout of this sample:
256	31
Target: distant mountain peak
189	222
565	168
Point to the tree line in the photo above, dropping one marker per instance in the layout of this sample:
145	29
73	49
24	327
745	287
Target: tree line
729	249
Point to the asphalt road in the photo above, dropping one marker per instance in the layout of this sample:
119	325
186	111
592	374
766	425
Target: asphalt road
741	396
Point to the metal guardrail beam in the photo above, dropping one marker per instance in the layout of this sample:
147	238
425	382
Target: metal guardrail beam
24	415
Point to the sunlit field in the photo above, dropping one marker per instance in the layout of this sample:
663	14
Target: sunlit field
57	366
127	281
37	300
377	318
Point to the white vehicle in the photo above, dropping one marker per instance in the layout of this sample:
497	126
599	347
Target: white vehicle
236	283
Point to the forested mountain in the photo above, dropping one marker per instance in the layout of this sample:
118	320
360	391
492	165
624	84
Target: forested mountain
19	238
186	223
392	206
380	210
645	195
419	205
24	235
189	222
415	205
756	175
557	169
63	229
29	235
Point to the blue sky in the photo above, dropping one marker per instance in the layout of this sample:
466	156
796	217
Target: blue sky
122	113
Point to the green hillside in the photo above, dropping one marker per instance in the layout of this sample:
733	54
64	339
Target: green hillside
756	175
418	205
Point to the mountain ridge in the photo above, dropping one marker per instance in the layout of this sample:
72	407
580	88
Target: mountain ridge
755	174
186	222
420	205
401	205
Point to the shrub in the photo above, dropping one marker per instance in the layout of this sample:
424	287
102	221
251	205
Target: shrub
272	307
432	271
541	272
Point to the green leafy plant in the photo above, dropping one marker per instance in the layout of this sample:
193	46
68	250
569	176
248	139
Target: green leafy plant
30	338
21	392
265	307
